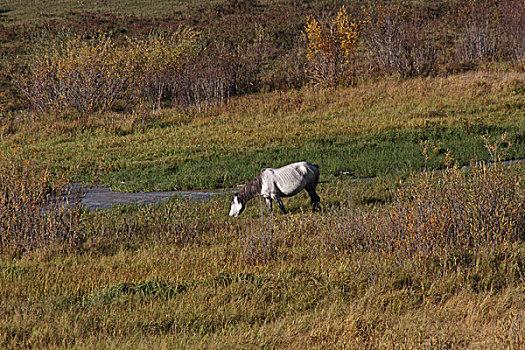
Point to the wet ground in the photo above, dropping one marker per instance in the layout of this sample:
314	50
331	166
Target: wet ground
104	197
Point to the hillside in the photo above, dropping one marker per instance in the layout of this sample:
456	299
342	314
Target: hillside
373	129
168	95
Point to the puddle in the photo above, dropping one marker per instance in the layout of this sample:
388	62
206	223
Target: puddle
104	197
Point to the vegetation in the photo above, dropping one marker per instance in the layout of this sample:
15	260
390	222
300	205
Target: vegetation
250	46
373	129
329	51
441	265
93	75
157	96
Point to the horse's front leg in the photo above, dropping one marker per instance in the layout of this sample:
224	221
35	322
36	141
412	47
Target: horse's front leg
269	204
280	203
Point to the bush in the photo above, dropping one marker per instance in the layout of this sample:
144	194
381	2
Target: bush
482	207
400	41
73	73
480	34
513	23
218	72
28	221
87	75
330	49
205	81
491	31
157	61
439	214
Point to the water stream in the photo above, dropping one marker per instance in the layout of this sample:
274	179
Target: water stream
103	197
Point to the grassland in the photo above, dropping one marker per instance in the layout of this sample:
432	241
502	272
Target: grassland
181	275
410	260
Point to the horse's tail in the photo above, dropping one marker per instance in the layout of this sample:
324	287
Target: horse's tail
314	166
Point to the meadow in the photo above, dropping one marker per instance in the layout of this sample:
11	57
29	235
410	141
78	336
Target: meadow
412	259
374	129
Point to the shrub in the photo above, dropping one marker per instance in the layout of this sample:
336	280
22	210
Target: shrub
157	60
513	22
206	80
87	75
70	72
28	221
245	46
399	41
439	214
218	72
330	49
460	210
479	37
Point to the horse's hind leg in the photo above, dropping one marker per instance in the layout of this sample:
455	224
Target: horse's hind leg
314	197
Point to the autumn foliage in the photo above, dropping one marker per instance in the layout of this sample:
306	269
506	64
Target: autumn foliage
234	48
89	75
330	48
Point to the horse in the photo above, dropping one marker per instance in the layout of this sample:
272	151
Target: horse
274	183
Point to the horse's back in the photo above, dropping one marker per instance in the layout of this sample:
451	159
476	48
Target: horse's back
304	169
292	178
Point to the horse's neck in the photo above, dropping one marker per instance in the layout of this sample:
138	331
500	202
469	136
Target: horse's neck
251	189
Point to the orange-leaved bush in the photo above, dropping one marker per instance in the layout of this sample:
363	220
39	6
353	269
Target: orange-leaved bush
330	48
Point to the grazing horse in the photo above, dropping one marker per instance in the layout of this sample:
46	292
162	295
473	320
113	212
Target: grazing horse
273	184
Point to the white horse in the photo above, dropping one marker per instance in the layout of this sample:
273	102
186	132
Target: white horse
273	184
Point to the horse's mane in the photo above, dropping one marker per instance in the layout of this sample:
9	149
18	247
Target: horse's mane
251	189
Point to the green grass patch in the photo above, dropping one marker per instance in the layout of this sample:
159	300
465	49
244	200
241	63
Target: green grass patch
390	153
122	292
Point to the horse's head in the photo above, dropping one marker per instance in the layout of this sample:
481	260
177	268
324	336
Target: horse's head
236	206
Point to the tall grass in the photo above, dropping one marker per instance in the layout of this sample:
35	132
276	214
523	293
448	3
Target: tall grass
28	220
439	264
438	214
177	223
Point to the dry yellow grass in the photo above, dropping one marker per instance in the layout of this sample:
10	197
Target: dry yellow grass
182	275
